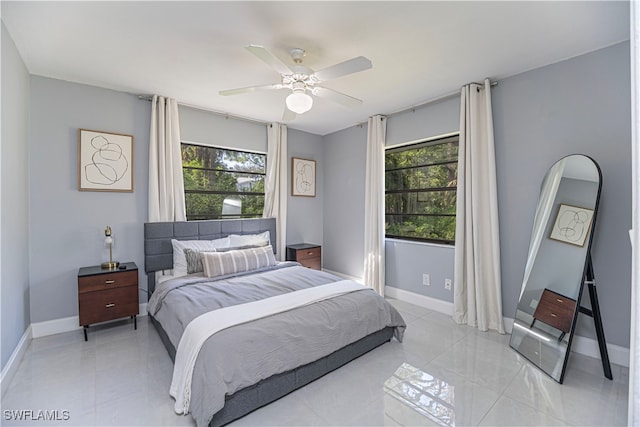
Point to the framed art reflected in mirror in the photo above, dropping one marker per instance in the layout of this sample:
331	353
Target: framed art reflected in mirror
572	224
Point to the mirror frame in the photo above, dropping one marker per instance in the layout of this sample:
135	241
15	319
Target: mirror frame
587	270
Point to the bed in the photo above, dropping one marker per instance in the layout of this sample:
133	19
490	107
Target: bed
260	358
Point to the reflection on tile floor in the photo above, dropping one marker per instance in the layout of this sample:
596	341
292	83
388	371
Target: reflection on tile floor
443	374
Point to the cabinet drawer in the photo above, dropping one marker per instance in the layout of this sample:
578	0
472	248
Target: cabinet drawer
107	281
555	310
108	304
314	263
302	254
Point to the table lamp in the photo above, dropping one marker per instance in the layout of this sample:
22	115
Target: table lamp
108	240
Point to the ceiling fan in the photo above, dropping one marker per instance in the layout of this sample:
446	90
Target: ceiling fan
303	82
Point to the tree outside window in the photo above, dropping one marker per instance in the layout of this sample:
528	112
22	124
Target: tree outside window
222	183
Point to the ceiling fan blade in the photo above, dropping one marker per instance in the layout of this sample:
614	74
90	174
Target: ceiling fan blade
288	115
250	89
334	95
349	66
270	59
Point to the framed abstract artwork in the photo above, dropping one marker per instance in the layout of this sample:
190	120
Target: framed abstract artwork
303	177
105	161
572	225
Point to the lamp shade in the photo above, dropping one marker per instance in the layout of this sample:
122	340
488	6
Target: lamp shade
299	102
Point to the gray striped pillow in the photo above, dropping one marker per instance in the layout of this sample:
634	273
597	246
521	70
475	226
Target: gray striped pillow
236	261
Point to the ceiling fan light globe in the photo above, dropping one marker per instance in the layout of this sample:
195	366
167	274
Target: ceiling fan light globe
299	102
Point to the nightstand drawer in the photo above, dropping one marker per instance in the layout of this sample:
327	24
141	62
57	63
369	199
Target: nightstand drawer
555	310
314	263
107	281
108	304
302	254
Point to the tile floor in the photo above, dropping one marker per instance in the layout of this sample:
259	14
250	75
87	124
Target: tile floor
442	374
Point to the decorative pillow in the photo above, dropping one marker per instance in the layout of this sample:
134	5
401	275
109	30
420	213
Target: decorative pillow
261	239
194	258
179	260
237	261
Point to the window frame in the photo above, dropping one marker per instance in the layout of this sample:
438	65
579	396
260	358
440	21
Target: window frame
219	193
433	141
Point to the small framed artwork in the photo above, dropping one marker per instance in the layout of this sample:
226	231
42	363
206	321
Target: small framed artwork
303	177
105	161
572	225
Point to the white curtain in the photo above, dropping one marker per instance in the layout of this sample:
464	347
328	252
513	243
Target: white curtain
166	187
275	187
543	213
374	205
477	297
633	418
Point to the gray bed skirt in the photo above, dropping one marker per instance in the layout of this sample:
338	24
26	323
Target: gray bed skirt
268	390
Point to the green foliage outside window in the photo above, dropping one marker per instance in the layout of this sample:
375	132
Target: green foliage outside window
222	183
420	193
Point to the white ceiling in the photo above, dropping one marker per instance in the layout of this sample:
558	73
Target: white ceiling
190	50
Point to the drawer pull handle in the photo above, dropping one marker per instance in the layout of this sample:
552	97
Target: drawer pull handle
108	282
309	253
559	300
110	305
553	315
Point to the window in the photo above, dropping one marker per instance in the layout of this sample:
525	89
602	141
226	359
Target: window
222	183
420	193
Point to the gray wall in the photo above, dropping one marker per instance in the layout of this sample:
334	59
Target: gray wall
345	153
14	179
66	226
304	217
205	128
343	219
581	105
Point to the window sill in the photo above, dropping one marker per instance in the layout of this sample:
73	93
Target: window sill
415	242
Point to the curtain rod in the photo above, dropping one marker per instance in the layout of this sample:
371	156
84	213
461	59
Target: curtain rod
395	113
219	113
432	100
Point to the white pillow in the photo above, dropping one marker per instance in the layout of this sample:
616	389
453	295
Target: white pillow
261	239
179	260
237	261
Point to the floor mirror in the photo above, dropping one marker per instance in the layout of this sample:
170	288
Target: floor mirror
559	267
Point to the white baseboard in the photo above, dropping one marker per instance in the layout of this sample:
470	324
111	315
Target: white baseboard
589	347
57	326
66	324
9	370
583	345
444	307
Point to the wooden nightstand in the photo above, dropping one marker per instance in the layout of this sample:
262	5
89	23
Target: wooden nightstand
105	294
307	254
555	310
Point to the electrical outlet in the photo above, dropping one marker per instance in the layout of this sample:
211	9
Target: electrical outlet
447	284
426	279
533	303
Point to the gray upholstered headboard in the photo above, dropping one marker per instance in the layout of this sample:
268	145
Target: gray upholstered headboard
158	251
